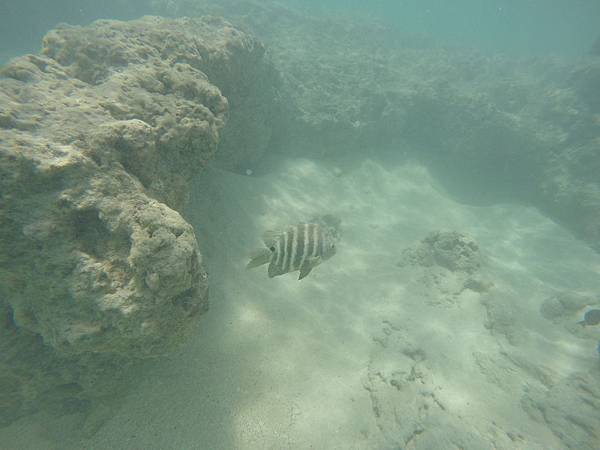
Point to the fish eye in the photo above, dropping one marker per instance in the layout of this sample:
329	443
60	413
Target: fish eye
272	248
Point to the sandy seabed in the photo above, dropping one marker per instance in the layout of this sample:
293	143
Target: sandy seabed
363	354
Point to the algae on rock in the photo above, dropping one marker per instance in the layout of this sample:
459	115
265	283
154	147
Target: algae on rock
100	136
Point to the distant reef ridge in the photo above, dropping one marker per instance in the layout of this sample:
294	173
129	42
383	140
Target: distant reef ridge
492	128
100	136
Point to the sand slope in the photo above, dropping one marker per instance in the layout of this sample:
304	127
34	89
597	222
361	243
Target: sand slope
363	354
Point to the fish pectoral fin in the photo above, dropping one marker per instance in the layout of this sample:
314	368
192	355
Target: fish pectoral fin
259	257
270	237
304	270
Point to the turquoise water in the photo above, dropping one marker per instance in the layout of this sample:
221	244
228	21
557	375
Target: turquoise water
451	149
517	27
24	23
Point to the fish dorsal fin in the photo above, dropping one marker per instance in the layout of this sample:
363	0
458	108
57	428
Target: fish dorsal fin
270	237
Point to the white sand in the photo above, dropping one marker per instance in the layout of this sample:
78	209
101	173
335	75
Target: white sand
363	354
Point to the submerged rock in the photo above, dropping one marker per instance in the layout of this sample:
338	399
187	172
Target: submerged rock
577	313
564	306
452	250
100	136
446	267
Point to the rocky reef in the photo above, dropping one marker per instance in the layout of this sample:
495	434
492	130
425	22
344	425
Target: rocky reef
102	132
100	135
492	128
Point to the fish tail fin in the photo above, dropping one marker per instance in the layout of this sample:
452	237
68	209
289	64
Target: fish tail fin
258	258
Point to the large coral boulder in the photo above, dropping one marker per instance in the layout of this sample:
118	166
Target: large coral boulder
100	136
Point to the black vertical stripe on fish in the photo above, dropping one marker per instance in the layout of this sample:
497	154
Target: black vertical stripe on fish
315	241
299	250
305	243
294	247
276	264
321	243
294	236
284	252
279	252
299	257
288	250
295	233
284	243
309	241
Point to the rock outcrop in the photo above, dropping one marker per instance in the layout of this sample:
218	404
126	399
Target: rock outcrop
490	127
444	265
100	135
451	250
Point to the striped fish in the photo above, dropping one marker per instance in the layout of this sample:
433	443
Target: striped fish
300	247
